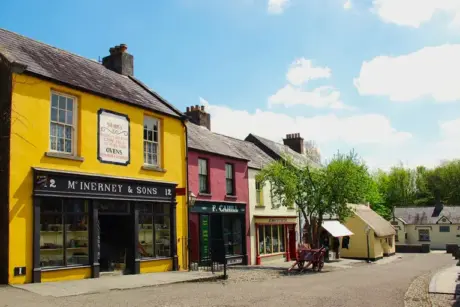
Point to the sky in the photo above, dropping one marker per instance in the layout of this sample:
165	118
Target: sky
380	77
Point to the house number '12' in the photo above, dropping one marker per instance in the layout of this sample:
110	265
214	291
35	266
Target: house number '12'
168	192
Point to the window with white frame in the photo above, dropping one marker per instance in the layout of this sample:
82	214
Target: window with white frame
63	122
424	235
151	141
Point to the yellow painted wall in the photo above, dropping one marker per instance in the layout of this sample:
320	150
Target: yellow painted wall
438	240
156	266
67	274
30	141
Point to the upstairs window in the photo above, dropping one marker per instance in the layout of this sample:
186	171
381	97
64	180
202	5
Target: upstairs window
62	124
229	180
259	194
151	141
444	228
203	175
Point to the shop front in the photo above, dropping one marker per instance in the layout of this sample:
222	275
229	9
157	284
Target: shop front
215	226
275	238
87	224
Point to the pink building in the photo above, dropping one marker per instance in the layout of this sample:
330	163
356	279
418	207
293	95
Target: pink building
218	176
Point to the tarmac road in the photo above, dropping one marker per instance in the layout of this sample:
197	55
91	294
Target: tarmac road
366	285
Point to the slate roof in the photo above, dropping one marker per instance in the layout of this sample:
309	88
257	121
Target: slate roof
279	150
424	215
49	62
381	227
200	138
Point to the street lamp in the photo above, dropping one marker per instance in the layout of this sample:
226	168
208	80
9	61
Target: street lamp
191	203
367	229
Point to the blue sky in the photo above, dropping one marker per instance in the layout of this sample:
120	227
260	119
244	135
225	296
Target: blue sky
377	76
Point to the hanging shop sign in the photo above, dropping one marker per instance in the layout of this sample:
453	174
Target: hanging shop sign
215	207
113	137
53	183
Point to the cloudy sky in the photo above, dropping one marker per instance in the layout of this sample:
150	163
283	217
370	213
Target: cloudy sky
379	76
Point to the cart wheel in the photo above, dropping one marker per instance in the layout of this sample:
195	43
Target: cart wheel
300	264
320	264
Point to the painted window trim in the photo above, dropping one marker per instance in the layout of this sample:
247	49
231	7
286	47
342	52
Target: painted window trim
208	182
259	194
158	143
74	125
233	194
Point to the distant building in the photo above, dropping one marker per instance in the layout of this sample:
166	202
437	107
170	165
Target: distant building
437	226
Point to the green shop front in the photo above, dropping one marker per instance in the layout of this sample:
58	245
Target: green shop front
216	228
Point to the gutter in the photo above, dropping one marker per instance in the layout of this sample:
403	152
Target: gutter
189	258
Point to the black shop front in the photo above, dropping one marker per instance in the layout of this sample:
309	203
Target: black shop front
101	223
218	228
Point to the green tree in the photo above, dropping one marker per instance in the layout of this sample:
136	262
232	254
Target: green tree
320	192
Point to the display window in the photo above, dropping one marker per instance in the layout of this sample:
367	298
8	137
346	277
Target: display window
233	235
271	239
64	239
154	230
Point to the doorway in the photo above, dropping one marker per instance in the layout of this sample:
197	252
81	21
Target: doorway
114	242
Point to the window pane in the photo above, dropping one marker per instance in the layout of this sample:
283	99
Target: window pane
162	236
145	208
62	102
161	208
61	117
268	239
281	231
155	137
60	145
237	236
68	132
145	136
76	206
69	104
69	119
261	240
54	114
203	183
53	143
53	129
77	243
275	239
51	205
145	236
229	186
60	131
51	241
54	100
150	135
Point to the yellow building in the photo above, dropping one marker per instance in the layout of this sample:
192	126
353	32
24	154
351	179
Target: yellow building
437	226
90	164
373	237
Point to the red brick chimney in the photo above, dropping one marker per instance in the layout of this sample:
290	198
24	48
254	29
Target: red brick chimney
199	116
295	142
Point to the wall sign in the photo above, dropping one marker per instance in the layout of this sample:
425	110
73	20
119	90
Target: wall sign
51	183
113	137
204	237
233	261
275	220
216	207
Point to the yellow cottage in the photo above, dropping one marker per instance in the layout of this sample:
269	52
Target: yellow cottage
373	237
92	167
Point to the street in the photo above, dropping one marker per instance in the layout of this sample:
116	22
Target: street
365	285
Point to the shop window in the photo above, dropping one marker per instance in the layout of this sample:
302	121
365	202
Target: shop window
151	141
63	232
444	228
229	179
424	235
154	230
271	239
233	235
203	175
63	123
259	194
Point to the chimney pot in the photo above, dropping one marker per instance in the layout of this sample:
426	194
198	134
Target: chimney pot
188	109
123	47
202	108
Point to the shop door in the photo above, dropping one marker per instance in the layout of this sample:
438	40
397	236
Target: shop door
292	247
204	238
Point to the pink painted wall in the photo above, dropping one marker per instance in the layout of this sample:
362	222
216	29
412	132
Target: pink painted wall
216	165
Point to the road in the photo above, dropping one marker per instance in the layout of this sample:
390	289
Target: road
366	285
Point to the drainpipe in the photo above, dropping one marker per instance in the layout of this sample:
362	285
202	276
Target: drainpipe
189	262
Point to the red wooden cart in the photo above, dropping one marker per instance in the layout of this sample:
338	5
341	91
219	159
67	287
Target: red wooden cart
307	257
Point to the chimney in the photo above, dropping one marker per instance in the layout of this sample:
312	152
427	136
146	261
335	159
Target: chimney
119	60
199	116
295	142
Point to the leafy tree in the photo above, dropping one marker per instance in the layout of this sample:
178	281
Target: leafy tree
320	192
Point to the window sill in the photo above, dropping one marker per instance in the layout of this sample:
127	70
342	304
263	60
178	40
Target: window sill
155	259
205	194
291	208
424	240
260	206
153	168
59	155
231	196
61	268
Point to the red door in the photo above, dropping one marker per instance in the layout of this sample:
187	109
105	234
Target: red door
292	245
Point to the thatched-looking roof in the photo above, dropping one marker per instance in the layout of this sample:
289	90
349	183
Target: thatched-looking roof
378	224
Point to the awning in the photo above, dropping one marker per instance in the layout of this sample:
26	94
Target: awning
336	229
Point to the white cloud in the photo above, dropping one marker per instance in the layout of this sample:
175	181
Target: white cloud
413	13
203	101
302	70
347	5
352	130
277	6
431	71
321	97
